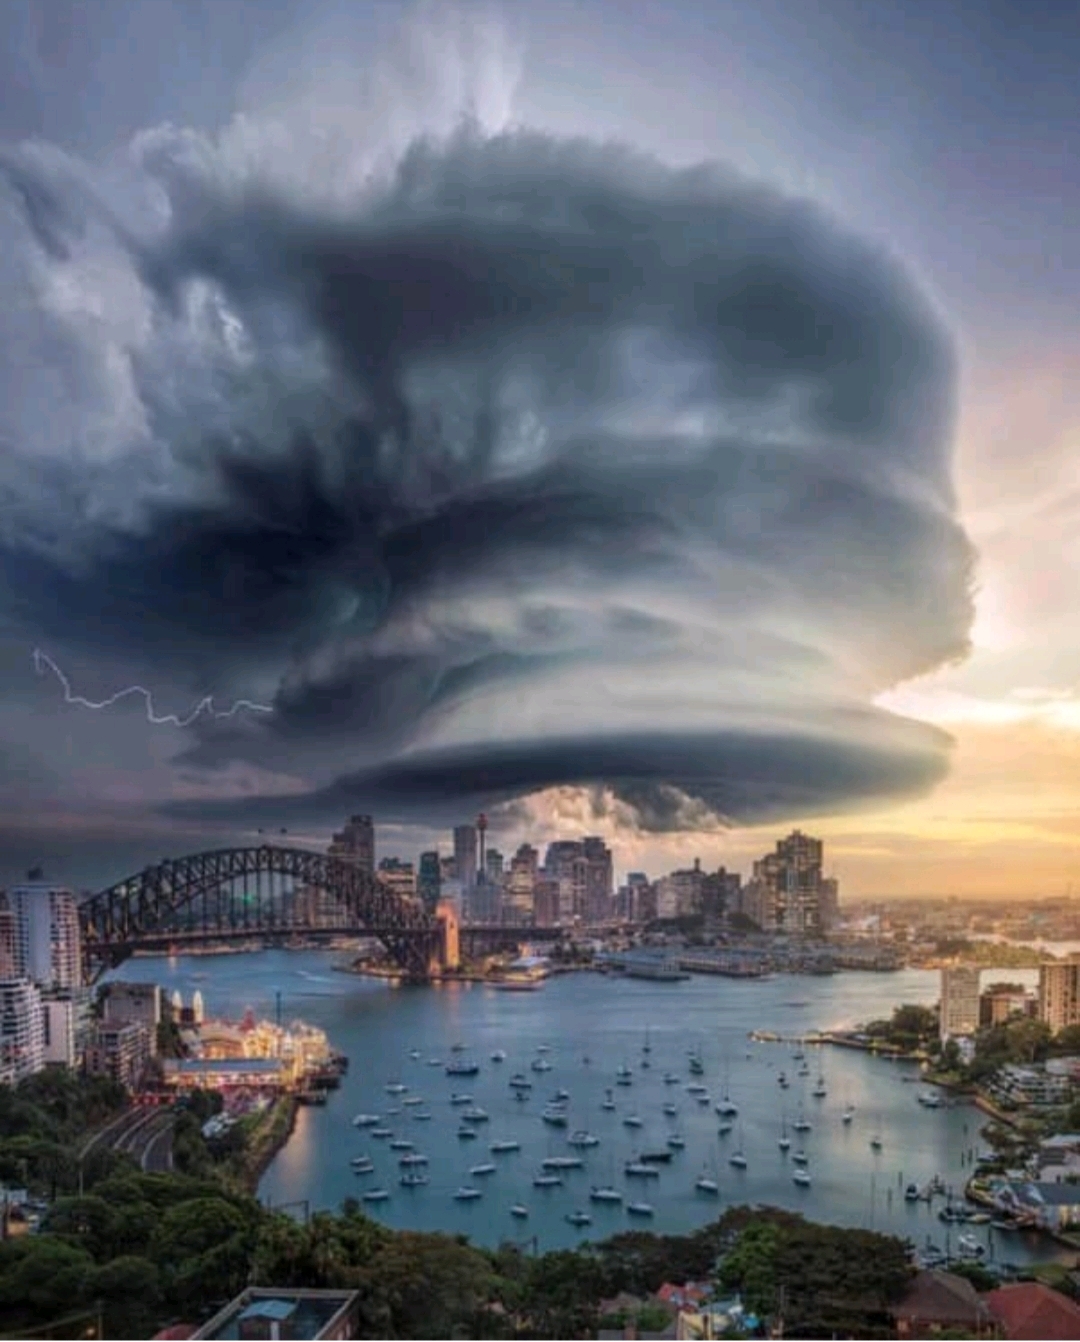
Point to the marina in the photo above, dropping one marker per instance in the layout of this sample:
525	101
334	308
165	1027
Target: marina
697	1033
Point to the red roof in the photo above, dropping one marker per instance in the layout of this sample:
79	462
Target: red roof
1031	1310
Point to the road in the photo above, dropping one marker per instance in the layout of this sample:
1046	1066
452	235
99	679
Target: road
143	1134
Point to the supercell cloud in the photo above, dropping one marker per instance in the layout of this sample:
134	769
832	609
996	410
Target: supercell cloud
529	463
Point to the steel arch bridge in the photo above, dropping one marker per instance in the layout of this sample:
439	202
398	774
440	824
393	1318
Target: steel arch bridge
209	896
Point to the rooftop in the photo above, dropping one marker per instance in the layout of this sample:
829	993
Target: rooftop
310	1314
1031	1310
942	1298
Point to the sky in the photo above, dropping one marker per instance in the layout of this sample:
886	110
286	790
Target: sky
649	420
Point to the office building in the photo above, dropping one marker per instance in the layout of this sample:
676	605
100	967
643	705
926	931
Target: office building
599	880
398	877
959	1001
465	851
545	902
493	866
48	945
519	893
584	871
356	844
22	1031
1059	993
429	880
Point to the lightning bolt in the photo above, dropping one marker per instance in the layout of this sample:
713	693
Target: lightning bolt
43	662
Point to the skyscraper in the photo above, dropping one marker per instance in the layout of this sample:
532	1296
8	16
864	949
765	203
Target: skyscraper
785	894
465	854
48	943
429	880
356	844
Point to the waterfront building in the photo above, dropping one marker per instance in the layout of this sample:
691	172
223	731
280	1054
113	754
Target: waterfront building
398	877
1059	993
183	1074
465	854
429	880
132	1004
22	1031
959	1001
122	1052
356	844
1029	1087
48	946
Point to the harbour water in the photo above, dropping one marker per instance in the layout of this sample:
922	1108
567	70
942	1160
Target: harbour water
588	1027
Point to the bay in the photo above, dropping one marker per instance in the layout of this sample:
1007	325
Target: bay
608	1021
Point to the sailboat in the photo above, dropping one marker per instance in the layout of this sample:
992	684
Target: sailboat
784	1142
706	1181
800	1177
737	1158
848	1114
726	1109
820	1091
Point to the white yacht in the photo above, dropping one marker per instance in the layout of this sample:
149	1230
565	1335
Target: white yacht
467	1194
476	1171
799	1176
367	1121
605	1195
639	1208
705	1183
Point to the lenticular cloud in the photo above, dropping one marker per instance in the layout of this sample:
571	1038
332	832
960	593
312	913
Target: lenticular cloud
531	463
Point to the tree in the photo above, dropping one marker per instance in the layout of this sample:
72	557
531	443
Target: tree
1028	1040
130	1292
41	1278
195	1227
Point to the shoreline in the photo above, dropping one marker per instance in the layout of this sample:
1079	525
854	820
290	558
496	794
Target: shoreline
272	1136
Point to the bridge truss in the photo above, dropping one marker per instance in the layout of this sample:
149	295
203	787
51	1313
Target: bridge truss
265	891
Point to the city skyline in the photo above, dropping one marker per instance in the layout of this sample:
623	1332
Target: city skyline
570	545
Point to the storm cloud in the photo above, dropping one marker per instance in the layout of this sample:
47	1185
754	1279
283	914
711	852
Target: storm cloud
532	462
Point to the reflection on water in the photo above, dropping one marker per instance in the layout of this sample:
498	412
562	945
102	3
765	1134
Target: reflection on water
608	1021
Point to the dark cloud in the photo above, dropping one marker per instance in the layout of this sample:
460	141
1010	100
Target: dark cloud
668	782
646	472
